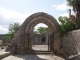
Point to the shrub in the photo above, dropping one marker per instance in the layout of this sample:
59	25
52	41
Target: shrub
66	25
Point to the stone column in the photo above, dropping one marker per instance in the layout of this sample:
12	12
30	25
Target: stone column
56	45
30	41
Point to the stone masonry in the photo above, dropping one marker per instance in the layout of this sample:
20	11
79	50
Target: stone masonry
71	45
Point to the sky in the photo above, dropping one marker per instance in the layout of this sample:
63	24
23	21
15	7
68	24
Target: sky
12	11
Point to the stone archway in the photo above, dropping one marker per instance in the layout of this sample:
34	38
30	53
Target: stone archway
23	34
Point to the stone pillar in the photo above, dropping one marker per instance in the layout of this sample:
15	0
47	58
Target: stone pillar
1	41
51	38
56	43
30	42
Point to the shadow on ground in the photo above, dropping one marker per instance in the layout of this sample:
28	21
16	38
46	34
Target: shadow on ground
29	57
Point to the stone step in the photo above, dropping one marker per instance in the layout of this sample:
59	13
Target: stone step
40	52
4	55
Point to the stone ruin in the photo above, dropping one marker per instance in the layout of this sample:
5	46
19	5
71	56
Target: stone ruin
68	45
22	41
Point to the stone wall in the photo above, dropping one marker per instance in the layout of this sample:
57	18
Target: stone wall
6	43
1	41
71	45
46	34
36	40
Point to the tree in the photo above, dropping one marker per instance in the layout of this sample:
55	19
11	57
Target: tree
35	31
66	25
41	30
11	29
76	8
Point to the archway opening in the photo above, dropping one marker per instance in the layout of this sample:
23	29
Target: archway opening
40	37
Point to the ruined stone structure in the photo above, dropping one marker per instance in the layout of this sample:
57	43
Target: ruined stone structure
22	40
37	38
71	45
47	36
1	41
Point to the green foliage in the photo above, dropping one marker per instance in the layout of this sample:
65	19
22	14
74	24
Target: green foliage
12	28
35	31
42	29
75	4
66	25
10	36
43	39
71	2
4	36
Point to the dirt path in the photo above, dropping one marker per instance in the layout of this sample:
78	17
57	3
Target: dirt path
33	57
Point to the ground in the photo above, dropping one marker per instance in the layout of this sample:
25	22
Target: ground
2	51
33	56
40	47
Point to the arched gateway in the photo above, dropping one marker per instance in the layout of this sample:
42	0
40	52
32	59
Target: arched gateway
23	34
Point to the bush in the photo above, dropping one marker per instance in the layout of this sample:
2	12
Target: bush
66	25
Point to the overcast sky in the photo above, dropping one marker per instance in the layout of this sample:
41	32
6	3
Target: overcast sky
18	10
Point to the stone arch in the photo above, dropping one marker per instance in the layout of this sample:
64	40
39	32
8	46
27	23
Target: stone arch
23	36
41	17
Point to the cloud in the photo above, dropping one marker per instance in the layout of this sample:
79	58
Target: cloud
67	14
40	25
62	7
9	16
64	14
28	12
3	30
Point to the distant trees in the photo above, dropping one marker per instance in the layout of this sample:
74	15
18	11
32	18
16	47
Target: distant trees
41	30
11	30
4	36
13	26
